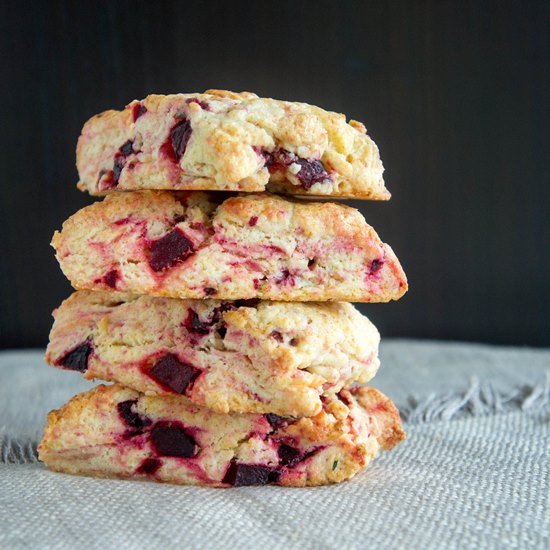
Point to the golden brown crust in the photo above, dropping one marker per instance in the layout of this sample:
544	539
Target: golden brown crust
387	415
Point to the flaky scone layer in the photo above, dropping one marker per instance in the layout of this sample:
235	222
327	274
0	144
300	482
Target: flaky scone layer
279	357
112	431
188	245
228	141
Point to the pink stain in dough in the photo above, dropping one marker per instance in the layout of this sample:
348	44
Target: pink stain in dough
122	221
285	278
110	279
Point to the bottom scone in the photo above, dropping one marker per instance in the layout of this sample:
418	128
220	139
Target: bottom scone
112	431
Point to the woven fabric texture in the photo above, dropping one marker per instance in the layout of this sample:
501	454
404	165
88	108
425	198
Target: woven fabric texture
474	472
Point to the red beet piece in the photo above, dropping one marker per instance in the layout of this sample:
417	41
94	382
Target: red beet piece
179	137
117	169
171	439
138	110
149	466
311	172
194	324
77	359
111	278
127	148
289	456
169	371
131	418
171	249
240	475
376	265
275	421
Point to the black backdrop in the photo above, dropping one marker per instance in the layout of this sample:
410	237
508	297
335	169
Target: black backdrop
454	93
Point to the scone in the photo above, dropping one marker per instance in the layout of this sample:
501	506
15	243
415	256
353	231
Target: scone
279	357
112	431
188	245
228	141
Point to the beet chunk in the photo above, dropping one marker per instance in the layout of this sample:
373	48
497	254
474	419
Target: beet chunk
222	331
171	439
132	419
275	421
240	475
376	265
179	137
117	169
171	249
248	302
194	324
149	466
111	278
127	148
169	371
289	456
138	110
311	172
77	359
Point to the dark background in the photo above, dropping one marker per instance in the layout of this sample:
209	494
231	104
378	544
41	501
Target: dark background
454	93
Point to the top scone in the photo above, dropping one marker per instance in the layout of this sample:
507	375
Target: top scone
221	140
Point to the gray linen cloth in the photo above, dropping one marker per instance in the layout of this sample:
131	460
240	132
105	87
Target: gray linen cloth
474	472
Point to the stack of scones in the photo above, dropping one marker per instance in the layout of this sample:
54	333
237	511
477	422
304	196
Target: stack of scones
216	302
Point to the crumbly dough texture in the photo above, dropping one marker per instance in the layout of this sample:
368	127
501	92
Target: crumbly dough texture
221	140
266	357
112	431
188	245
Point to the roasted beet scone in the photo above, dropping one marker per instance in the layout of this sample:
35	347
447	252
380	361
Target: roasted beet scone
227	141
112	431
187	245
279	357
